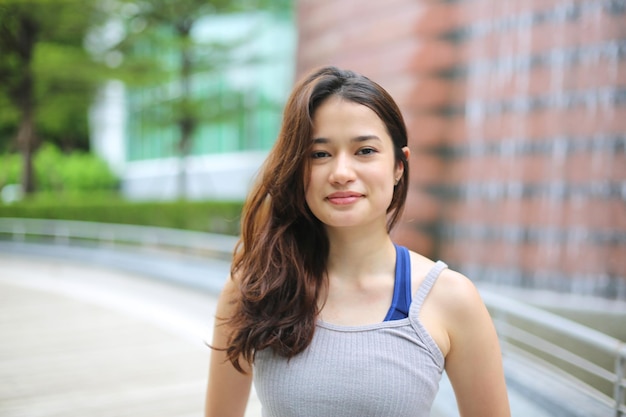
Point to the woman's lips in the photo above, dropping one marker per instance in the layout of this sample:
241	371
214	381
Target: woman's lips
344	197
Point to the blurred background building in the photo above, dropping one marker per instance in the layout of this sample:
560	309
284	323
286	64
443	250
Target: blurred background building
240	112
516	113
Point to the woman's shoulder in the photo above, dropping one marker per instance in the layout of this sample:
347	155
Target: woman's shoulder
231	285
230	294
456	291
453	283
458	303
452	292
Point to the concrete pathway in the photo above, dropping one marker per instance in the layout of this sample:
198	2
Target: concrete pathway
87	341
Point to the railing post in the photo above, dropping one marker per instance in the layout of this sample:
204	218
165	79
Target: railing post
62	235
620	374
106	237
19	233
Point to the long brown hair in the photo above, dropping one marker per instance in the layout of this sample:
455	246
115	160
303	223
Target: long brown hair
280	260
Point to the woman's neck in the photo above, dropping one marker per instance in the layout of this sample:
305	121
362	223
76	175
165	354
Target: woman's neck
357	253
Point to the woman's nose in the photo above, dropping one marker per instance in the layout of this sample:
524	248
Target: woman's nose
342	170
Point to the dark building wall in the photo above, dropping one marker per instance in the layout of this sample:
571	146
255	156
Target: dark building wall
516	113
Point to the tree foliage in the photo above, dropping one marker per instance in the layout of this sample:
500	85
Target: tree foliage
54	54
164	29
47	78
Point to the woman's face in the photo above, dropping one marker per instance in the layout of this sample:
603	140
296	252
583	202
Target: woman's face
352	169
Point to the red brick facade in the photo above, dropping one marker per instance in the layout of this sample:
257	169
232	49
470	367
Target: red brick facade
516	113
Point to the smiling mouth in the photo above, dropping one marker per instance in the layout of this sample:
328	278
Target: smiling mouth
342	199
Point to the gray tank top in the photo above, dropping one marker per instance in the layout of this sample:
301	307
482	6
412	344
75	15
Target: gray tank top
390	368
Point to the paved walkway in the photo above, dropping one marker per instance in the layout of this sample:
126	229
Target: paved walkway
86	341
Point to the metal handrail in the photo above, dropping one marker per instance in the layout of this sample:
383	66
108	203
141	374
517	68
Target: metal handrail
504	308
64	231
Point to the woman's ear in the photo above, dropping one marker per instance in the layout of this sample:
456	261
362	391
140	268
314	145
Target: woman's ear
400	167
407	152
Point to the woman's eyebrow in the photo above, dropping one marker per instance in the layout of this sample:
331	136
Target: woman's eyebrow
320	140
361	138
365	138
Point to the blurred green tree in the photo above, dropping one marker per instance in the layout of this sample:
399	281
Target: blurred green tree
166	27
47	78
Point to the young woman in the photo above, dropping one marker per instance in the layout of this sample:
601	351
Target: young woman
323	311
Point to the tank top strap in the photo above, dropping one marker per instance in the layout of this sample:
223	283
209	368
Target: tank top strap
425	287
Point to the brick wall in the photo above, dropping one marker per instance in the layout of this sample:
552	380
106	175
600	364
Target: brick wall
517	120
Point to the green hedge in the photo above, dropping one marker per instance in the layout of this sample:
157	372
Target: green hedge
56	171
208	216
80	186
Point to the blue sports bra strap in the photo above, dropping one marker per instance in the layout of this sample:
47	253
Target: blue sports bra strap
400	304
424	289
403	263
405	258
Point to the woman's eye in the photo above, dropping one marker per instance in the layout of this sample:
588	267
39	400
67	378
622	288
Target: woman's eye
366	151
319	154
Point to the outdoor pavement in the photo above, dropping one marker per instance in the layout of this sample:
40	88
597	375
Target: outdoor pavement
82	340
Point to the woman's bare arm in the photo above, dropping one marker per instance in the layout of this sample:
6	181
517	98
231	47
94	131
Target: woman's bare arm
474	361
228	390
